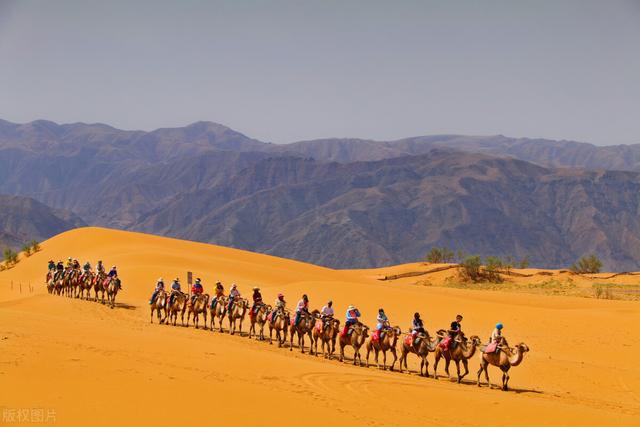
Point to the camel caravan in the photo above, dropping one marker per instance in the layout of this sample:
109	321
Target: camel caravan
313	328
73	281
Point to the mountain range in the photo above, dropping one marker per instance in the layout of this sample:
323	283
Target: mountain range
337	202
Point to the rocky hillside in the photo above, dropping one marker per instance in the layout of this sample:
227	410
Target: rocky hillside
23	219
337	202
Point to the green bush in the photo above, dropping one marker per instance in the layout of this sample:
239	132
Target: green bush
587	264
35	246
440	255
470	268
10	257
27	250
492	268
524	262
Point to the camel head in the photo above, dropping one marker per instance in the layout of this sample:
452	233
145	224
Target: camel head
475	340
522	347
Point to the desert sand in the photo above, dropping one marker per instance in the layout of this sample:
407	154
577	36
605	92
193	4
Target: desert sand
87	364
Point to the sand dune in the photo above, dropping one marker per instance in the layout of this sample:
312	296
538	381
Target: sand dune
97	366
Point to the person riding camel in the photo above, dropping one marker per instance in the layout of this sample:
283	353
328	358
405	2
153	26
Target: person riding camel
113	274
76	264
280	306
326	314
257	301
302	307
496	339
383	323
86	268
69	263
219	294
175	290
196	290
417	328
351	319
51	269
99	267
159	287
59	270
452	333
234	294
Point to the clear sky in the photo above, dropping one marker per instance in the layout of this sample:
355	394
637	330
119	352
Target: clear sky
282	71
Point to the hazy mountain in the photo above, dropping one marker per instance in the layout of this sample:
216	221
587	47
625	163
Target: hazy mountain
370	202
374	213
23	219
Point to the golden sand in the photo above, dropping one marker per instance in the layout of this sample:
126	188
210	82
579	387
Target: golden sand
86	364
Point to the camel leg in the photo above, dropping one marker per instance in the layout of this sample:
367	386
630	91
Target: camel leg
465	364
457	362
377	354
395	358
446	366
384	360
341	352
291	341
505	378
368	352
435	365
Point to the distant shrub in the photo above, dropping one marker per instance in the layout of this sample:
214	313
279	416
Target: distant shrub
524	262
587	264
508	263
27	250
10	257
35	246
470	268
440	255
602	291
492	269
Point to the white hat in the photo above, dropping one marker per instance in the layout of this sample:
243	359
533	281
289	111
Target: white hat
351	307
160	280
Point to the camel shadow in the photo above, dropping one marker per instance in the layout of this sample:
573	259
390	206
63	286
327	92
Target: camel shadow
125	306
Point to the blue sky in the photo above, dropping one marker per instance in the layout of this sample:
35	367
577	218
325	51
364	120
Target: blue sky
283	71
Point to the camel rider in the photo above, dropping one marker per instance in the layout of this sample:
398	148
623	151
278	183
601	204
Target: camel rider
69	263
326	314
219	294
196	290
76	264
159	287
51	269
257	301
302	307
59	270
52	265
113	274
453	332
280	306
383	323
417	328
86	268
351	319
175	289
99	268
456	327
234	294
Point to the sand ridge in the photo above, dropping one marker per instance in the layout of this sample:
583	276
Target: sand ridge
92	363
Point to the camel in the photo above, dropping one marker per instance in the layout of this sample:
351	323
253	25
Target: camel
326	333
461	353
199	306
159	305
86	281
260	318
237	311
112	291
281	325
58	286
218	311
505	358
179	306
304	327
51	284
355	339
69	282
387	343
98	285
422	350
